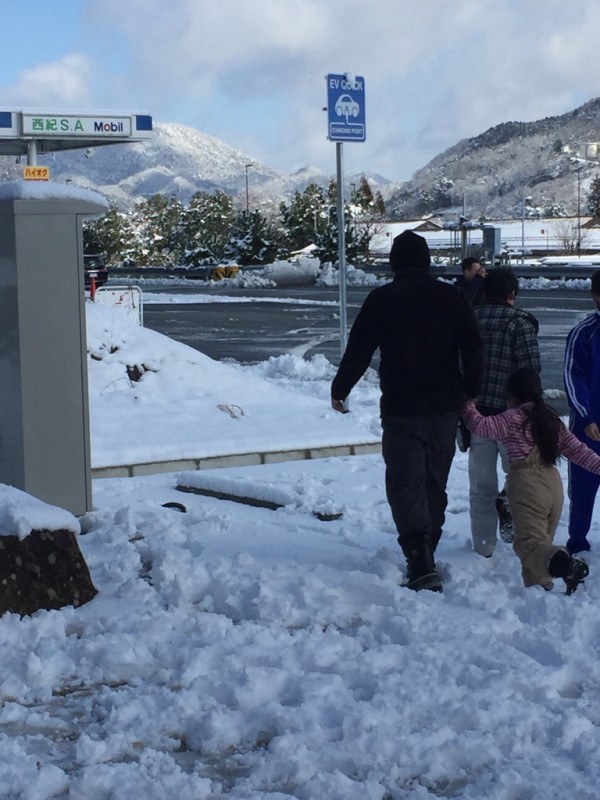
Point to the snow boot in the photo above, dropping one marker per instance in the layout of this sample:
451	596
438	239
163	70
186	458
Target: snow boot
505	522
580	546
573	571
421	571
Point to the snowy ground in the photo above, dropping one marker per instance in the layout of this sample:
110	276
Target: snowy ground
241	652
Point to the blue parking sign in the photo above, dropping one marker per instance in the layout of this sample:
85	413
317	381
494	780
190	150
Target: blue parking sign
346	108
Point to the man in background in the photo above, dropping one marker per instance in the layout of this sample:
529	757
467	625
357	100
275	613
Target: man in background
582	385
509	337
471	280
430	359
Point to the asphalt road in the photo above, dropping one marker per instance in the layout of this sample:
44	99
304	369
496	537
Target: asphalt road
305	321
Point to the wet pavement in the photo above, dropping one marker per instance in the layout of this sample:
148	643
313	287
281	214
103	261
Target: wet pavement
305	321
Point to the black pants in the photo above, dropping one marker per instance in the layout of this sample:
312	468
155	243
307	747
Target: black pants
418	453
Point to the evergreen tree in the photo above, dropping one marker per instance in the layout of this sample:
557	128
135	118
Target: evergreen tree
205	228
358	232
110	235
593	198
379	210
251	239
364	195
158	221
301	218
439	195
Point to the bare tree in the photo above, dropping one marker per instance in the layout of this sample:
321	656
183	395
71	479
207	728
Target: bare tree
571	236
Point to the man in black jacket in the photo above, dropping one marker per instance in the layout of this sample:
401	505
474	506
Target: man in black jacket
471	280
430	360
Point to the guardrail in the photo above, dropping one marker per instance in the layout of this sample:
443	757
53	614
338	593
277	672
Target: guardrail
550	271
193	273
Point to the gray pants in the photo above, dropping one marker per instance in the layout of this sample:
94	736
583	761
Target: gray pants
483	491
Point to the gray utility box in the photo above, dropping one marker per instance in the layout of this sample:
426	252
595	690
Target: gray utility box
491	241
44	415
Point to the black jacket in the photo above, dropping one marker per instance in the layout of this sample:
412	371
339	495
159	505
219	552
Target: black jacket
473	289
431	354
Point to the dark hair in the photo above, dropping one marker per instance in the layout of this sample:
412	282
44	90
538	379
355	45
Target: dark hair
596	282
467	263
524	386
499	283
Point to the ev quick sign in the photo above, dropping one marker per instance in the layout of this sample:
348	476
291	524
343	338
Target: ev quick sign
346	108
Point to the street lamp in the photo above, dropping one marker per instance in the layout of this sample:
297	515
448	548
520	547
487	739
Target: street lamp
523	199
579	211
247	203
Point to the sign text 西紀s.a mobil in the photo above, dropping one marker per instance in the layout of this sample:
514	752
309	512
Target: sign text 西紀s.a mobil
346	108
75	125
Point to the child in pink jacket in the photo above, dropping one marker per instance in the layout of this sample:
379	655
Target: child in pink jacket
534	438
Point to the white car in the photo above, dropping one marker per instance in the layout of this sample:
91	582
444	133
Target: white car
346	107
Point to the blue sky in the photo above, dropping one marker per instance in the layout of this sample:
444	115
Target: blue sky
251	72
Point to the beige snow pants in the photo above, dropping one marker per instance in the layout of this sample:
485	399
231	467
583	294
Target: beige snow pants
535	494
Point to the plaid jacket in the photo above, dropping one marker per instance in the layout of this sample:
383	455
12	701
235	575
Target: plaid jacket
509	341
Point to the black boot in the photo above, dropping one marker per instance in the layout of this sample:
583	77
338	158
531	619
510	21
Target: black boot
421	571
572	570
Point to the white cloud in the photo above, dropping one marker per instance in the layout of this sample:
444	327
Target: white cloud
62	84
251	71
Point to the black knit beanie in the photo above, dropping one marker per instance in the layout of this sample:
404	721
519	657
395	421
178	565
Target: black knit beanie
409	251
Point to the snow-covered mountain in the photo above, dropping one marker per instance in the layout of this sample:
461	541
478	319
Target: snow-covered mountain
543	168
179	161
540	168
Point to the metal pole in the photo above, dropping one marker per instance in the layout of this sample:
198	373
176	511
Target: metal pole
579	211
463	238
339	152
32	153
523	226
247	200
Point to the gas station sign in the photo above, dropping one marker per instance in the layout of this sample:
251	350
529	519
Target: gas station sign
75	125
35	173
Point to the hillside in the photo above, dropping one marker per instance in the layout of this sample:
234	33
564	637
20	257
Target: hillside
179	161
508	168
515	164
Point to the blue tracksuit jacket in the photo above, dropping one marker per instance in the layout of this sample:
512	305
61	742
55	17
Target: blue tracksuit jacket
582	385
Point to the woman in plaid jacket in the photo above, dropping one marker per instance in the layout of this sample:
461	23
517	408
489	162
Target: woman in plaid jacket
509	337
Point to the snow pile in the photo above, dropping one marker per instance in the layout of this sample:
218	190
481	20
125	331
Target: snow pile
248	653
330	276
298	271
47	190
154	399
20	513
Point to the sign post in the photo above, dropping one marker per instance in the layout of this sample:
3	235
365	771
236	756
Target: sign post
346	122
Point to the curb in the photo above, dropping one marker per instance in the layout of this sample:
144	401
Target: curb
234	460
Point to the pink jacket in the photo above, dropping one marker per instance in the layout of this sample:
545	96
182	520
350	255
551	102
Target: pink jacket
508	427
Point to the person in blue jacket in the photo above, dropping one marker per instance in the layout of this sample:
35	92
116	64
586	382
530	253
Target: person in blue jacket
582	385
